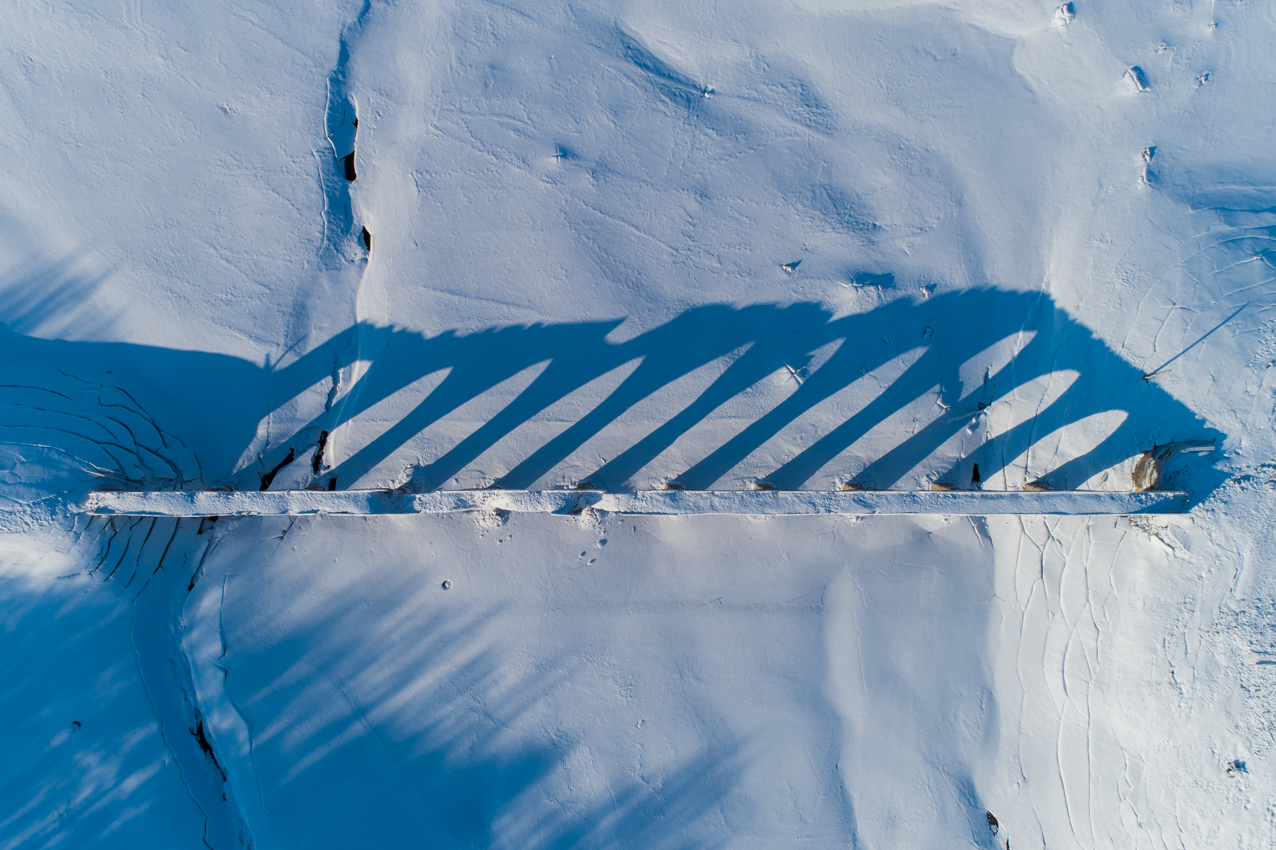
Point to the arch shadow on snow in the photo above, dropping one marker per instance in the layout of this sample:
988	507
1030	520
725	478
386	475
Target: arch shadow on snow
215	404
142	416
773	336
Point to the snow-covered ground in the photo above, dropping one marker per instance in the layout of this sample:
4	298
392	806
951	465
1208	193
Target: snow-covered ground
626	245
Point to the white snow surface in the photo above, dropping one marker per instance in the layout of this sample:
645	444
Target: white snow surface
623	246
759	503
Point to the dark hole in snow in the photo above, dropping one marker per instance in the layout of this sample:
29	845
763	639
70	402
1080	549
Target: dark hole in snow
269	477
347	163
316	463
367	239
198	732
332	484
992	822
974	475
881	281
447	585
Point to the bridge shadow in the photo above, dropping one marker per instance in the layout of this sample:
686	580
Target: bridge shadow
215	404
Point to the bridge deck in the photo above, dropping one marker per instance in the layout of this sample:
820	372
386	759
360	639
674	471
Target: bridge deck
194	503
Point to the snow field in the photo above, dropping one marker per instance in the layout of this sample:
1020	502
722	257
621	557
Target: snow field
796	244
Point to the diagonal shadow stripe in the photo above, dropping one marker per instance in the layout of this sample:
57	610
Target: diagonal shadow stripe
219	415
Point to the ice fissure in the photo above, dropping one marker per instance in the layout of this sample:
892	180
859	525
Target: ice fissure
158	633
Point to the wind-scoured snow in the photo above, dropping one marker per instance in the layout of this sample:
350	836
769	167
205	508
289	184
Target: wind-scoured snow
678	259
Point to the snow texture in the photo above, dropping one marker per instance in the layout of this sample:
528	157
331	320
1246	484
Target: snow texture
672	256
202	503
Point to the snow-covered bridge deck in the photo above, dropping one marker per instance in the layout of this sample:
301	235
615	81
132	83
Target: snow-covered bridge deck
192	503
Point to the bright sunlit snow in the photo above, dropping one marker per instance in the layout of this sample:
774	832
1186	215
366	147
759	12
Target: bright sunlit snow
369	253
